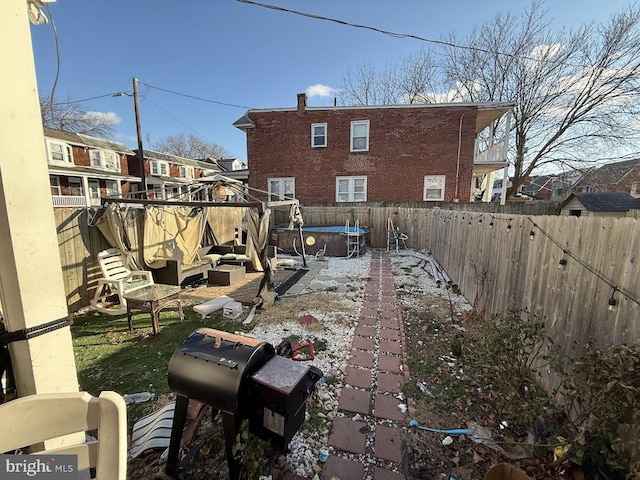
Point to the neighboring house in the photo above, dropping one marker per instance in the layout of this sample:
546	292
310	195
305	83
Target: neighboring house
170	177
84	169
612	177
538	187
401	153
563	184
599	204
231	164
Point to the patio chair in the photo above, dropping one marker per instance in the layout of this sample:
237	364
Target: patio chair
33	419
117	280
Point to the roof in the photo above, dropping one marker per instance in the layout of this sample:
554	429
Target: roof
166	157
227	163
605	201
537	183
487	112
106	144
86	140
609	174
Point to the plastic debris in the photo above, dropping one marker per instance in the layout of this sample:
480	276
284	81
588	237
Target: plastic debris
324	456
137	397
456	431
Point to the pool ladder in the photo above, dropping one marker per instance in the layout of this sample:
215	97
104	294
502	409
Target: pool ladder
353	239
395	237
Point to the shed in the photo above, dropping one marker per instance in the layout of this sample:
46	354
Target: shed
599	204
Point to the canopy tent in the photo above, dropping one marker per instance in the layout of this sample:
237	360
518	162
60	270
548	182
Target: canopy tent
177	228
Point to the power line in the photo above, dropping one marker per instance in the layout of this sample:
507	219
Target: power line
391	34
85	99
175	118
194	97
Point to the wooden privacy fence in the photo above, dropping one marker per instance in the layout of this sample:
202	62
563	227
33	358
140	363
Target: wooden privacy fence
412	219
79	244
497	268
500	269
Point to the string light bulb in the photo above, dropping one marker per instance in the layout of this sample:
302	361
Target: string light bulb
563	260
509	226
613	303
491	223
532	234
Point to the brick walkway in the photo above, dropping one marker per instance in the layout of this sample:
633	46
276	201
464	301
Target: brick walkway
366	438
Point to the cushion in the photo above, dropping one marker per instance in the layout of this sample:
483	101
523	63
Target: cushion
229	256
212	257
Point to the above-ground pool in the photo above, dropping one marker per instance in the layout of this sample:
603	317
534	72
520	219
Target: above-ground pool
316	237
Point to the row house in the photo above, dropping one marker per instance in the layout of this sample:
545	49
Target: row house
399	153
84	169
171	177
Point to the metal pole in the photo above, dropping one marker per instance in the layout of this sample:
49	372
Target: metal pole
136	106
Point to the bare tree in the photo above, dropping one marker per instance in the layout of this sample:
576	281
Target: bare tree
407	81
69	116
575	91
190	146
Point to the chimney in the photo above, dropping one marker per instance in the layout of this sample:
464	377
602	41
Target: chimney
302	102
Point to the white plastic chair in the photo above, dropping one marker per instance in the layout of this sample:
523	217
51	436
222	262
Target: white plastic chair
117	280
33	419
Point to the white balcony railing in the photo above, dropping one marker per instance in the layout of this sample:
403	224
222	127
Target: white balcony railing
492	154
69	201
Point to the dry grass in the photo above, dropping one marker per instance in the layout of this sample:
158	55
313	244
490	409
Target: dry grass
316	304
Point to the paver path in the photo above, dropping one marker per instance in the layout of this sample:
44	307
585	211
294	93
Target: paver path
365	441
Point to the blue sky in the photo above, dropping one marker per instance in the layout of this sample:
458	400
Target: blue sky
240	54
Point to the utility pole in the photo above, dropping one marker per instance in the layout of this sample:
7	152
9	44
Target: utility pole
136	106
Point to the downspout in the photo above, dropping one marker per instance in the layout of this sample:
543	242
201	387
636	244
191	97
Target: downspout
455	195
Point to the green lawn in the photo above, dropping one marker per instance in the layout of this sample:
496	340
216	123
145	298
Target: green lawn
109	357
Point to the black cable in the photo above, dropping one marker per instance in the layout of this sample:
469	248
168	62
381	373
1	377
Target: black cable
401	35
57	44
585	264
194	97
84	99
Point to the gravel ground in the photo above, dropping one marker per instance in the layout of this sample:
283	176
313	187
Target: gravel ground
337	325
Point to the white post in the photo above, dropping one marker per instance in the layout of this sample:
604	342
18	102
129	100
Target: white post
505	156
31	284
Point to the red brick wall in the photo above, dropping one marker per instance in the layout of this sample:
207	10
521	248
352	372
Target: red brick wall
405	144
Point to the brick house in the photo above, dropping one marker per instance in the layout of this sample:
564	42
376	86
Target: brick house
401	153
171	176
83	169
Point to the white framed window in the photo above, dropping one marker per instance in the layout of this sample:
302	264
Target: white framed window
94	189
112	188
158	192
433	188
55	185
159	168
59	152
75	187
281	188
187	172
360	136
351	189
318	135
105	159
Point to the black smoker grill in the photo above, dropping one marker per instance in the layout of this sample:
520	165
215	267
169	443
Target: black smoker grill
244	379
